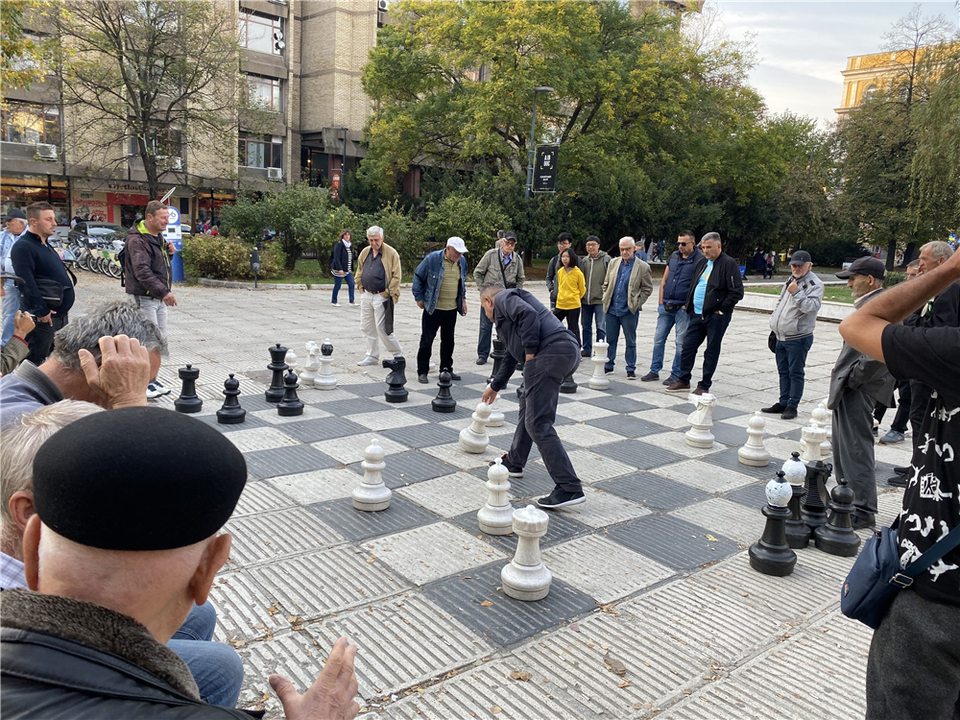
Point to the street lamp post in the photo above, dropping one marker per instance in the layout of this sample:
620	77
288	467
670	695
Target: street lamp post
533	130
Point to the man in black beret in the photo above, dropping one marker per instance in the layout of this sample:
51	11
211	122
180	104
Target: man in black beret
128	547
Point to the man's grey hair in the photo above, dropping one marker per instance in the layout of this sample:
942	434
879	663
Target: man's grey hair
711	237
491	290
939	249
500	234
118	317
19	443
633	243
375	230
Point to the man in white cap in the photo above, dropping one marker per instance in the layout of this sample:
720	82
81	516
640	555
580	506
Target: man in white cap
439	287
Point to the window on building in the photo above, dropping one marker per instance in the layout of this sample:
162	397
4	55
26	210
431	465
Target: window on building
869	92
262	34
261	151
161	141
31	123
265	92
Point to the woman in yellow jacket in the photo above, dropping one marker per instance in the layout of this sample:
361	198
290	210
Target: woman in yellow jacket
571	287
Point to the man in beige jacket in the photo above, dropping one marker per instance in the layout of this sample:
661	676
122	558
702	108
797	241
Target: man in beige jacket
627	286
378	281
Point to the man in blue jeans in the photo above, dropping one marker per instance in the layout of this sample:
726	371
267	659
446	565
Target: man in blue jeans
793	322
594	267
627	286
674	287
16	226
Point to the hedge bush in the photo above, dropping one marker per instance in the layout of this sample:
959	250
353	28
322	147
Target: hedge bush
223	258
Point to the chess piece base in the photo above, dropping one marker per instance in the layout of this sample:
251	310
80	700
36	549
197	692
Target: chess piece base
753	458
395	396
598	383
526	583
372	498
290	410
495	521
232	417
496	419
798	534
771	555
325	382
569	385
443	405
834	541
473	443
194	405
699	438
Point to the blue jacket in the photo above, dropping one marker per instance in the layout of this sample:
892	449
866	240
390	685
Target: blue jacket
680	277
427	279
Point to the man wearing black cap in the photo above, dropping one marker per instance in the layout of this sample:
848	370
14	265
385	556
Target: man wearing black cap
857	383
793	322
16	225
123	564
503	266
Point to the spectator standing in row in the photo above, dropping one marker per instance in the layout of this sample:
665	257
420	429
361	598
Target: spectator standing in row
626	288
793	322
594	268
147	275
378	272
439	287
16	226
564	240
341	263
41	267
570	290
674	287
16	349
716	289
502	266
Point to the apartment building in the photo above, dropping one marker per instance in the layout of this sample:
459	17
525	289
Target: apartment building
301	59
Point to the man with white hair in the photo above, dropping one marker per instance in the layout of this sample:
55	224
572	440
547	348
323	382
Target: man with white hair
626	288
16	226
378	280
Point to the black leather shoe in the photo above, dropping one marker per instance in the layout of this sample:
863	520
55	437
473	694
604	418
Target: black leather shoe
422	378
789	413
453	375
774	409
481	361
859	523
584	353
904	470
898	480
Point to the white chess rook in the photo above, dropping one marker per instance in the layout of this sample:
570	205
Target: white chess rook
754	453
526	577
309	373
326	379
474	439
372	494
822	417
701	420
496	517
599	379
811	439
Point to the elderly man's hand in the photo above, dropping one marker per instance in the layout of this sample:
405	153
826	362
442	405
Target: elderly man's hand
122	377
331	697
23	324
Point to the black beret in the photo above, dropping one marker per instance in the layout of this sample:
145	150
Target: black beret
137	479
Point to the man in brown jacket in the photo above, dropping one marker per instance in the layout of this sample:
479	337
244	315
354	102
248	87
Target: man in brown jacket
146	273
378	280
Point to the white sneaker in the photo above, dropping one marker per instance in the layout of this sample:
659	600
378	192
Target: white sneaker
369	361
152	391
353	304
335	304
160	388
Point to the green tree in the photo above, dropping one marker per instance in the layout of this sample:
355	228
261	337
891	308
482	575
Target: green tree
286	210
21	54
247	219
467	217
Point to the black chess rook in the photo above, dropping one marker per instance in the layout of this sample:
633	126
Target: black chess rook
188	402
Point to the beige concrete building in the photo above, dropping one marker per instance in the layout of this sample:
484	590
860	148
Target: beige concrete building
301	61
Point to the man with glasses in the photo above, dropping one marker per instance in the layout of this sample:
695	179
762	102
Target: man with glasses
674	287
501	266
594	267
627	286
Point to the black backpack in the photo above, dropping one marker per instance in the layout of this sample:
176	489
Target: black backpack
122	260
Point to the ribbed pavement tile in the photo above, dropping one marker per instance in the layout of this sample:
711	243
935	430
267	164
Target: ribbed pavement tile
733	520
260	497
408	467
420	436
585	436
266	536
592	467
639	454
619	404
384	420
601	509
351	449
368	388
428	553
603	569
666	417
355	406
401	641
730	460
536	481
672	542
250	421
652	491
356	525
309	431
310	412
295	655
560	529
246	607
704	476
286	460
581	411
260	438
503	620
675	441
627	426
317	486
461	413
454	455
449	495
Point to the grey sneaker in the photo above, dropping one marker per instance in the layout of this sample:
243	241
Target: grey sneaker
892	438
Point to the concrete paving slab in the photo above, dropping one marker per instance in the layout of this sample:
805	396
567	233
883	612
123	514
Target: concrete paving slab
449	495
672	541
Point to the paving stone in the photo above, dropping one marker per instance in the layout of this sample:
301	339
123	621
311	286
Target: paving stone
292	654
702	474
728	434
412	466
505	440
665	417
585	436
425	435
603	569
639	454
285	460
244	605
426	412
560	529
342	408
260	497
672	541
591	467
249	422
351	449
449	495
260	438
619	404
734	520
310	412
513	416
506	621
385	420
603	508
372	389
310	431
675	441
356	525
249	401
428	553
267	536
626	425
318	485
652	491
454	455
580	411
753	496
730	460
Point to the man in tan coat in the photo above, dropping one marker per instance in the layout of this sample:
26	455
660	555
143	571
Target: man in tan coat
627	286
378	281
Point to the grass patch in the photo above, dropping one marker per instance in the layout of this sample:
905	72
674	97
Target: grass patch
830	293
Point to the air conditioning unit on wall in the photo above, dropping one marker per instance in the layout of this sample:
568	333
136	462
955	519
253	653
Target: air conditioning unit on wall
47	152
274	173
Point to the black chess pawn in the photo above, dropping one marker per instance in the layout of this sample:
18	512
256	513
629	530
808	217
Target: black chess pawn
771	555
444	402
498	354
569	385
837	536
290	404
230	413
188	402
813	512
396	379
278	366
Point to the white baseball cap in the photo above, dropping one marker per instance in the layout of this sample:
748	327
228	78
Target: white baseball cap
457	244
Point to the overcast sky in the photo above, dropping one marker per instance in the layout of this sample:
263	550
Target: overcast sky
804	45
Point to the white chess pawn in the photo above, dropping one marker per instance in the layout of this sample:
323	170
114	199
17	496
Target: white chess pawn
309	373
372	494
496	418
754	453
326	379
474	439
823	417
701	420
599	379
496	517
291	360
810	439
526	577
